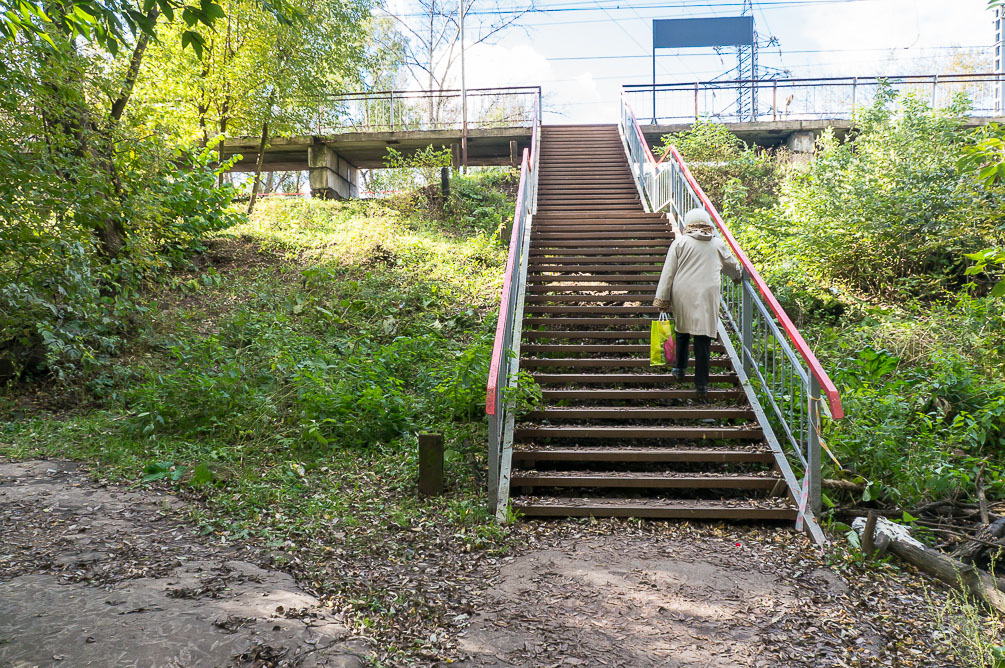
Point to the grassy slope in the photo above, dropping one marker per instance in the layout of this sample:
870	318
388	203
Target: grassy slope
282	384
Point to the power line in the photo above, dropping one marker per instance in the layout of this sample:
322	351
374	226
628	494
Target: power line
705	55
588	6
585	7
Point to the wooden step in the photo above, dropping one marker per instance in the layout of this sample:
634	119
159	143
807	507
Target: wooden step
642	455
614	215
642	350
609	348
587	334
641	480
646	298
578	265
641	228
664	432
618	413
530	322
629	378
612	310
662	235
597	363
542	280
588	299
649	288
670	393
763	509
655	259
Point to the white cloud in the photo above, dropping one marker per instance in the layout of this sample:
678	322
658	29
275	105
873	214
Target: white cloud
567	100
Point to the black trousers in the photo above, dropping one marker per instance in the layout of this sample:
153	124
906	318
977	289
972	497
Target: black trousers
702	353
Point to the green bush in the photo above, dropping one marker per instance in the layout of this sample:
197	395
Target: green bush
263	377
721	161
481	201
886	212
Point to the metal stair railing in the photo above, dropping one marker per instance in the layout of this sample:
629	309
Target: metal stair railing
504	367
775	366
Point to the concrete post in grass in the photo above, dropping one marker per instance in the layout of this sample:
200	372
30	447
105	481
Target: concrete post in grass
445	182
430	464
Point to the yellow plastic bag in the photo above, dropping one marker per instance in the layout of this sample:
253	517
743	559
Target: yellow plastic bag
661	334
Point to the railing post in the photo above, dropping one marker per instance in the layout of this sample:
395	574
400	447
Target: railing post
746	324
935	86
854	86
495	433
774	100
391	98
696	101
813	468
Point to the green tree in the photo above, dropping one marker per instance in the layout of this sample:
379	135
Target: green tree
258	76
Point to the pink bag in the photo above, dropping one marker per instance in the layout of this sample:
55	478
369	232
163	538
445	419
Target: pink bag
670	349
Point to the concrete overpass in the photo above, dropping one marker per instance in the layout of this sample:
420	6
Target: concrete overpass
797	136
334	160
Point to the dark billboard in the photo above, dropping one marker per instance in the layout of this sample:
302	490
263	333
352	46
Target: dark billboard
681	33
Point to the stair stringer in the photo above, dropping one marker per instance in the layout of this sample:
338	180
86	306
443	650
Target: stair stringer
811	526
506	454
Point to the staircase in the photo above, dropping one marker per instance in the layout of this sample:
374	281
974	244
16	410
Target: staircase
613	436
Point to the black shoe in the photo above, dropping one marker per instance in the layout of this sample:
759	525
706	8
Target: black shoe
702	392
677	373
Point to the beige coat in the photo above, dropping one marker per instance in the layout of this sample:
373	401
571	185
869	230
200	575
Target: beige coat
690	282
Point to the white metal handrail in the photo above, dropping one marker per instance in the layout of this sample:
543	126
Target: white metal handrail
505	365
775	365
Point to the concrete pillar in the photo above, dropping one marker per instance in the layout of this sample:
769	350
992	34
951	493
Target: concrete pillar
331	176
802	141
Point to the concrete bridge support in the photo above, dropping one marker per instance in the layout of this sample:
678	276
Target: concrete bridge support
802	141
331	175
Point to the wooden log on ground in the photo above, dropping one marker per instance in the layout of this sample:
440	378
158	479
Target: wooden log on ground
869	535
982	500
953	572
984	541
843	485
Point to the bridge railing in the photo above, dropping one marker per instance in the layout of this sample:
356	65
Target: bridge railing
786	384
828	98
405	110
505	363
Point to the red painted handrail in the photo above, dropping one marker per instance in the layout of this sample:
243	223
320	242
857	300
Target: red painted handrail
813	364
514	245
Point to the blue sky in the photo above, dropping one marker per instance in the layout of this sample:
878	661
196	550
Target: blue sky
559	50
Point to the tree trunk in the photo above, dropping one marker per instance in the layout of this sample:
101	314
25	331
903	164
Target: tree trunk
964	577
223	132
119	105
258	167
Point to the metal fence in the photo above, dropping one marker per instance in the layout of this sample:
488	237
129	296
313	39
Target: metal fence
504	366
786	385
399	110
831	98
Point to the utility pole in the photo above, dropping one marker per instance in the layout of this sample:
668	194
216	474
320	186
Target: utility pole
746	69
464	98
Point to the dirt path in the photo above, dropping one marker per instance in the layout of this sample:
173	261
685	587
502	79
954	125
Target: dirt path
94	575
100	576
675	596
